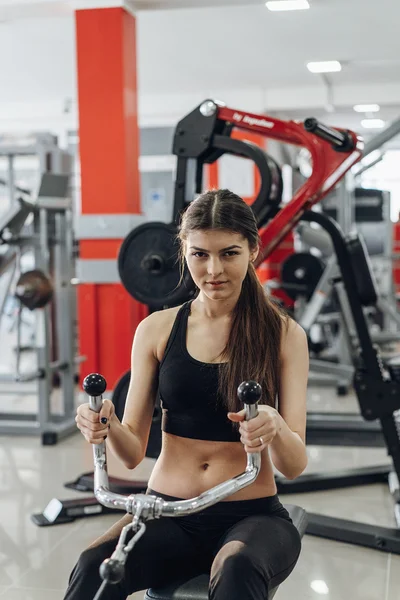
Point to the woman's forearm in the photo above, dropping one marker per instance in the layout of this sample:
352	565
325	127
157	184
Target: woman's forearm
287	451
124	444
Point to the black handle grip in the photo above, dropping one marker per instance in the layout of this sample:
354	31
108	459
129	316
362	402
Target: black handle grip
94	384
249	392
340	140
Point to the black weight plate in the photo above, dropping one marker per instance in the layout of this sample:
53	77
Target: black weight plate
119	399
149	266
34	289
300	274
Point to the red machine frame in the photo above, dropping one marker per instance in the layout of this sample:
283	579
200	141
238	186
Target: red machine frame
330	162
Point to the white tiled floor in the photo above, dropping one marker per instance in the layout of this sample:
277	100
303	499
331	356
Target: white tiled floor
35	562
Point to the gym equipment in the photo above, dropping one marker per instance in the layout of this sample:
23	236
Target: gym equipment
319	315
49	239
147	262
203	136
367	210
148	265
11	224
34	289
50	158
147	507
341	141
372	206
17	188
300	274
378	391
336	428
58	512
14	219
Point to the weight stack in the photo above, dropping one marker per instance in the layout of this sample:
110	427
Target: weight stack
271	268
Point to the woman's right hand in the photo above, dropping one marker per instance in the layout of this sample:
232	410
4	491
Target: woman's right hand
94	426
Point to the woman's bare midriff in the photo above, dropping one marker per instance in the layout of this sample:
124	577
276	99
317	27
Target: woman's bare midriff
187	467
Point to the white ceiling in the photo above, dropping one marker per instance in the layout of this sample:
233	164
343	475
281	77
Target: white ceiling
235	50
253	47
167	4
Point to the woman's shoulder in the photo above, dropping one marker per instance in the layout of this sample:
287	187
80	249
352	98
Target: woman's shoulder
157	328
293	335
161	318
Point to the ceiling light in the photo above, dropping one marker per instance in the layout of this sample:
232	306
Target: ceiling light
366	108
373	123
319	586
280	5
328	66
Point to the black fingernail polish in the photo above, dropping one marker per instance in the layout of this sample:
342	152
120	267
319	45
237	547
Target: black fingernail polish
103	420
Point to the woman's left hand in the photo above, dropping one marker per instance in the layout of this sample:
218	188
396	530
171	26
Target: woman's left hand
259	432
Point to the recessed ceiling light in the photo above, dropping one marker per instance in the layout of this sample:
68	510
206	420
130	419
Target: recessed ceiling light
365	108
319	586
328	66
373	123
280	5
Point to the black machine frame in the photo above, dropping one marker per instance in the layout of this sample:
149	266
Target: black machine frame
199	141
378	391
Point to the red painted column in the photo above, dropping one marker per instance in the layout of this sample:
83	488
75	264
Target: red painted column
396	261
109	153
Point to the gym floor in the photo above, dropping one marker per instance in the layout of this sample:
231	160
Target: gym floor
35	562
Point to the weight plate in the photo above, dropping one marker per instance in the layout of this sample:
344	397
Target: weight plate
34	289
300	274
119	400
149	266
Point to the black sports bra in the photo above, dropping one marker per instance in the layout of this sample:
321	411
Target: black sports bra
188	391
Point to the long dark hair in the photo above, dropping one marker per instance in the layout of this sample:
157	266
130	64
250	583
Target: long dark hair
253	347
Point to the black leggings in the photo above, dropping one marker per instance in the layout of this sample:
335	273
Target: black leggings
247	546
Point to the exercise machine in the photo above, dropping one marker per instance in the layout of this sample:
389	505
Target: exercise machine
377	386
337	428
145	507
47	291
147	260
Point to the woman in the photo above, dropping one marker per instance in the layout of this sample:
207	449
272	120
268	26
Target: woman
195	356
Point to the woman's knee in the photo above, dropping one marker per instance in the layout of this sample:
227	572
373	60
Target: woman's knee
89	562
234	558
84	579
237	574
